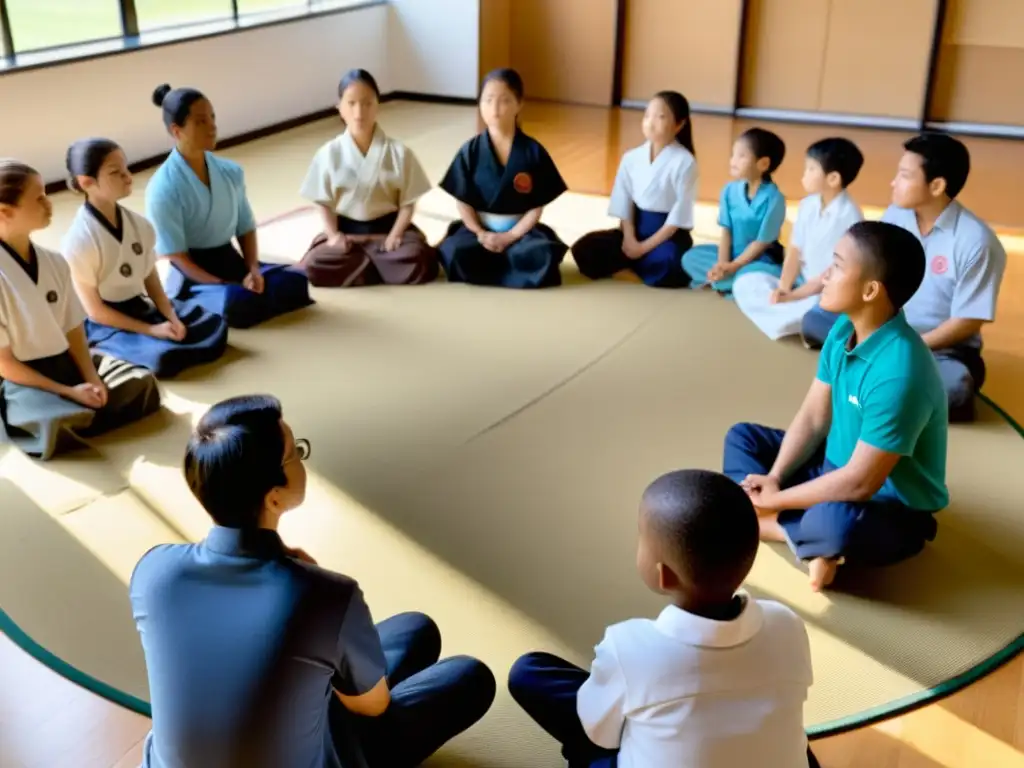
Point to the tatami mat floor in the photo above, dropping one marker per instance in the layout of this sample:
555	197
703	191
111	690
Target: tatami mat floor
274	168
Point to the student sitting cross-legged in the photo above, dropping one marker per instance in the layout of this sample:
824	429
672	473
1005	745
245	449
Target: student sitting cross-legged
53	390
718	680
366	185
198	205
776	305
966	262
751	212
861	472
654	196
113	265
259	658
501	180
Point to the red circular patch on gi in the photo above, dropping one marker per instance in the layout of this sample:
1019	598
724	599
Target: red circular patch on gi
523	183
940	265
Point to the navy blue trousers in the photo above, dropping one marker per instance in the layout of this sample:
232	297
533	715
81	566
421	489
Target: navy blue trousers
546	687
599	254
431	701
962	368
874	532
285	288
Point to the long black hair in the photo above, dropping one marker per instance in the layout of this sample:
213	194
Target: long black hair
762	144
85	158
357	76
512	79
175	103
681	112
14	177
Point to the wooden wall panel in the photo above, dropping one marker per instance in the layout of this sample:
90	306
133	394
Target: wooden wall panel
565	49
998	23
685	45
877	57
495	31
496	42
980	75
784	54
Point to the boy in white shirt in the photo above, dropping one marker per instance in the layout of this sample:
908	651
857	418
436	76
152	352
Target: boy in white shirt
718	680
777	305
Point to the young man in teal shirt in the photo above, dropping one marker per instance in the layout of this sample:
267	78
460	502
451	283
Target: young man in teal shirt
861	472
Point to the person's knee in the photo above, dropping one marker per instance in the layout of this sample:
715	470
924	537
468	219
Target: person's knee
741	437
423	629
815	327
522	677
827	530
959	390
477	685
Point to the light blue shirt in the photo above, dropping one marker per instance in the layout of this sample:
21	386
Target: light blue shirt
187	214
965	266
760	219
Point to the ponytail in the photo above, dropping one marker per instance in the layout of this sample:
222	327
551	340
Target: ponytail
681	112
764	143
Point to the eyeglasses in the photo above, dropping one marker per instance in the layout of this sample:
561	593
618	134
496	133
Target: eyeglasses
302	451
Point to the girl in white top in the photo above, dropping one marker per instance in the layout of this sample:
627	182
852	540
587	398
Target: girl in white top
113	265
51	386
777	304
654	196
366	186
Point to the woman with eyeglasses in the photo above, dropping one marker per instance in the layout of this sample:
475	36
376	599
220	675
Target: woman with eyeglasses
259	657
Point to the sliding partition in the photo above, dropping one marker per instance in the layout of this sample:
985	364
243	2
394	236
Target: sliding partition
690	46
901	64
979	77
564	49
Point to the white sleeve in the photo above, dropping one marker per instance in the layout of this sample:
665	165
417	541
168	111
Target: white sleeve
147	234
318	186
799	238
621	204
976	291
5	337
82	256
415	183
601	701
71	314
681	214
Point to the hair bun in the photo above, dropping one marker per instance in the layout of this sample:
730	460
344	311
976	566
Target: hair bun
160	94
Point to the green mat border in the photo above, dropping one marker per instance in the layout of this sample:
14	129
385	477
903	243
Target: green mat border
21	639
831	728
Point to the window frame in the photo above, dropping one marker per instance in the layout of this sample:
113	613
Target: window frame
132	38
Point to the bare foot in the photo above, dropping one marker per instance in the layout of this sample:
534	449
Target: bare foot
823	572
627	275
770	528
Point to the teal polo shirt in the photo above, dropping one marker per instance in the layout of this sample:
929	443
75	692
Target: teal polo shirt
886	392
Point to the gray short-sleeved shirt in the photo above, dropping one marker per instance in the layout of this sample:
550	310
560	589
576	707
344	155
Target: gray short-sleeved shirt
243	646
965	266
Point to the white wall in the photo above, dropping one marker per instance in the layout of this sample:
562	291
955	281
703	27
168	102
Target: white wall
254	78
434	46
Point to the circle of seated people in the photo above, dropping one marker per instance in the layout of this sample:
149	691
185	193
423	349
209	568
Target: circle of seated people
896	307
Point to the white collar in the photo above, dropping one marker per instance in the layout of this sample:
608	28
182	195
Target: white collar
709	633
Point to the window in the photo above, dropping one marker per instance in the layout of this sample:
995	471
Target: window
39	24
36	33
262	6
157	14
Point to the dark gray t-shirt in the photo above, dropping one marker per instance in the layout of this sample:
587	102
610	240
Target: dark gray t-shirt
243	645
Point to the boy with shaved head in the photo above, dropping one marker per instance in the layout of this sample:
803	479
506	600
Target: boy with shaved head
718	680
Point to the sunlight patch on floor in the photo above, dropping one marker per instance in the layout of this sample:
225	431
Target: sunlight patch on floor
50	488
938	734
